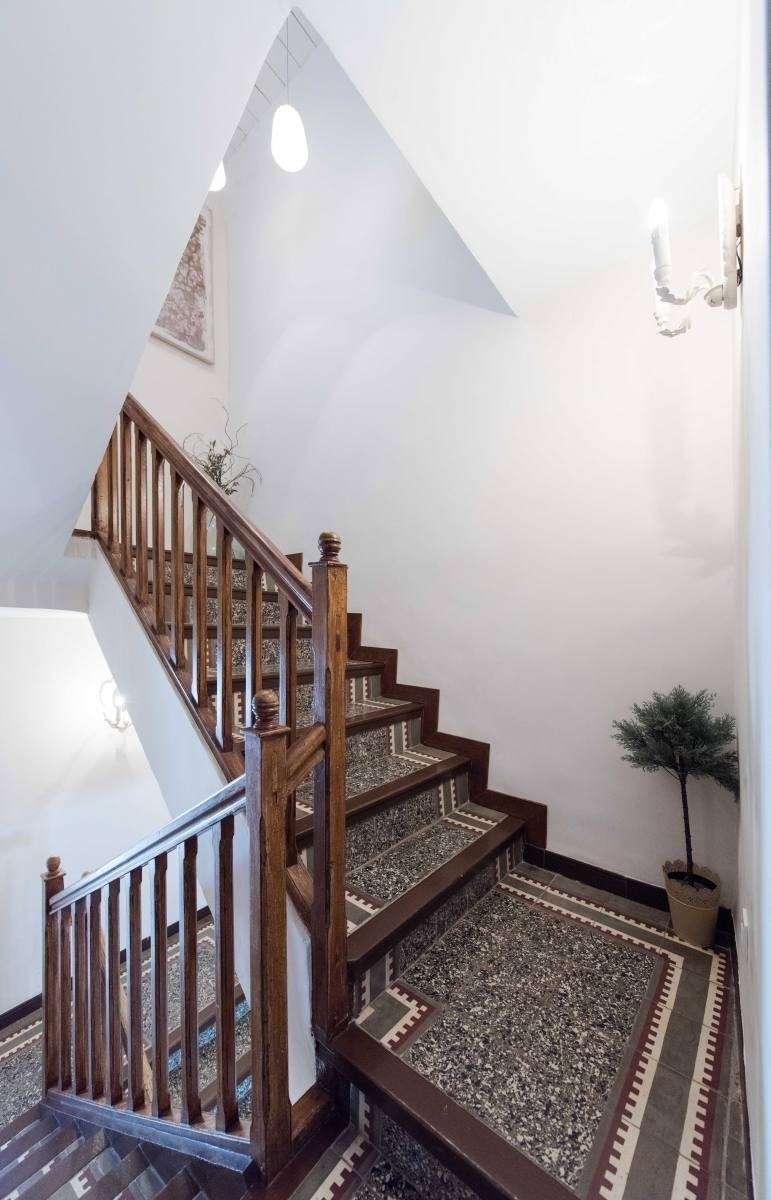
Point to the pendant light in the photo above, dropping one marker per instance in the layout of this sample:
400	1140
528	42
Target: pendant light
219	180
288	143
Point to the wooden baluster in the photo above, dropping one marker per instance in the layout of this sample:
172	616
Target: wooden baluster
159	541
101	499
81	996
114	1089
177	648
140	501
65	999
287	692
253	669
95	997
53	883
135	1051
200	610
227	1107
328	920
266	749
188	983
159	956
125	496
224	637
113	534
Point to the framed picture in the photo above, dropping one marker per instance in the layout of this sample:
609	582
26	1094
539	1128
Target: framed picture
186	319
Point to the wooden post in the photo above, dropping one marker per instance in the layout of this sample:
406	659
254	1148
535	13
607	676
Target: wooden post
266	749
53	883
100	498
328	921
224	728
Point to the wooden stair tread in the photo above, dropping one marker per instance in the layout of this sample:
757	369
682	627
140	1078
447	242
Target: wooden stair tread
388	925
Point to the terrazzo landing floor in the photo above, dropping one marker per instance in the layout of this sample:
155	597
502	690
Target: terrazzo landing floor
593	1041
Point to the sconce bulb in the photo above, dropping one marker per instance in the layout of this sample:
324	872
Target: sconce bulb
219	180
658	221
288	143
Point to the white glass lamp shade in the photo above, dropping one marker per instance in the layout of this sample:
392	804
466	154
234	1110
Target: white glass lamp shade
219	180
288	143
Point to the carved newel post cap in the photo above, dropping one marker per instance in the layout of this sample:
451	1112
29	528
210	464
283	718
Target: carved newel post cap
329	545
52	865
265	709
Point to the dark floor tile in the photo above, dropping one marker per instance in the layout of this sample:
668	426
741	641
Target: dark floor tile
385	1183
667	1106
735	1165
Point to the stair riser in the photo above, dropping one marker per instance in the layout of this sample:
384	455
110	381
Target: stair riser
380	975
428	1176
375	833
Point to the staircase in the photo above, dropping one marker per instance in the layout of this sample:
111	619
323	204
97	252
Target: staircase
380	827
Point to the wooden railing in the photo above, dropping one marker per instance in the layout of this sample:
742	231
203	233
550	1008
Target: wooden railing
82	985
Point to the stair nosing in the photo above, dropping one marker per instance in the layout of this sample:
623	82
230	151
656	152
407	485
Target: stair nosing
390	924
364	803
473	1150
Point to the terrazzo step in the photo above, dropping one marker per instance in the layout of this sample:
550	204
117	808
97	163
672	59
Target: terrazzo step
390	786
29	1136
90	1161
20	1123
415	917
45	1153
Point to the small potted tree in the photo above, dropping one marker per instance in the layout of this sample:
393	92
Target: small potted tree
224	466
678	733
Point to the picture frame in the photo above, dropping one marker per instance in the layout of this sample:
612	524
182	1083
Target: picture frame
186	320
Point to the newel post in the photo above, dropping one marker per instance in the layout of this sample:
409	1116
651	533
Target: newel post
53	883
266	799
328	920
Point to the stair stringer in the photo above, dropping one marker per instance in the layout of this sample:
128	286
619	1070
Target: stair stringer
186	775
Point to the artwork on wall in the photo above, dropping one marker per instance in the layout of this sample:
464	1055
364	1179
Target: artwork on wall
186	319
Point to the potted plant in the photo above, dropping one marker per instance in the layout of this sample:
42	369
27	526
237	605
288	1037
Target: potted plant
678	733
224	466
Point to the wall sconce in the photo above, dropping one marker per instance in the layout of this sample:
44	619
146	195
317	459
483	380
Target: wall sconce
717	295
114	706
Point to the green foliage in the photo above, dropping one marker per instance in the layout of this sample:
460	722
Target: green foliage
221	463
679	734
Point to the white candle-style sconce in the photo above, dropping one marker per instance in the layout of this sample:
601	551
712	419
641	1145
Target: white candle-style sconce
721	294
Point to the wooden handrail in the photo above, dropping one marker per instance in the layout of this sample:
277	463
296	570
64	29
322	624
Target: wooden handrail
228	801
254	542
140	495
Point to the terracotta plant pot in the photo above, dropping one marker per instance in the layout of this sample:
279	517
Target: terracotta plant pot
693	908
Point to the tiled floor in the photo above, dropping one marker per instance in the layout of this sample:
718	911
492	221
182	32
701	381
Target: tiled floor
596	1043
569	1021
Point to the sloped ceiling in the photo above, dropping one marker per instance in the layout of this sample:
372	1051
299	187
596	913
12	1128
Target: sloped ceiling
541	130
544	129
112	120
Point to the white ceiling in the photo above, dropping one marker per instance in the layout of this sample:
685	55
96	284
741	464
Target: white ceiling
293	46
543	129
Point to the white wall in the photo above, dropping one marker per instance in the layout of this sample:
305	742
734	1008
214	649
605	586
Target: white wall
112	123
62	767
183	392
754	692
537	512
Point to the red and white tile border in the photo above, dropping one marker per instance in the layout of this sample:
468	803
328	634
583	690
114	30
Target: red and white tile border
612	1173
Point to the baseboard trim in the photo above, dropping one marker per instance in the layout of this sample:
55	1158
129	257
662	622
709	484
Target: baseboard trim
27	1007
624	886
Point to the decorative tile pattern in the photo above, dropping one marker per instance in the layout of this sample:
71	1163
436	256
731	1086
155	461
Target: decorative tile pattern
597	1044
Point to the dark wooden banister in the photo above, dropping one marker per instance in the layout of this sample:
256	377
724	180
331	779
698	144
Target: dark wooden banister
139	494
277	565
227	802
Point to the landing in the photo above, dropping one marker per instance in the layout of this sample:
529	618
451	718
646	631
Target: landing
595	1043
